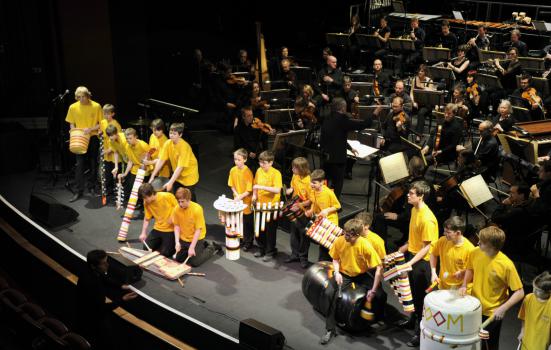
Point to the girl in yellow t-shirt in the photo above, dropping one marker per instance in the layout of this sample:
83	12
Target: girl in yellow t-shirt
535	314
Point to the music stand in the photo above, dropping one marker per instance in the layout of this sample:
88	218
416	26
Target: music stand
398	6
397	44
436	54
277	117
369	41
303	74
245	75
294	137
337	39
428	97
362	88
489	81
532	64
485	55
365	77
370	137
277	94
440	73
368	112
521	113
542	26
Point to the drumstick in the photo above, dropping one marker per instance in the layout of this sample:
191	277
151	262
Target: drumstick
185	261
200	274
108	252
145	243
128	244
241	223
181	282
482	333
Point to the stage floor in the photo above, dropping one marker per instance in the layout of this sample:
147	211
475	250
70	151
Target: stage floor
232	290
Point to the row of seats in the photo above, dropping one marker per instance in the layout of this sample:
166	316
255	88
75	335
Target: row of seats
32	326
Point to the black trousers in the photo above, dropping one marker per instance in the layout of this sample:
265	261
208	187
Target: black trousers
495	330
335	174
248	229
90	159
177	185
109	180
419	280
202	253
300	243
377	303
267	240
163	242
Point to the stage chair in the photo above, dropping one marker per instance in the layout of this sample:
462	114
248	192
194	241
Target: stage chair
53	332
10	301
29	324
76	342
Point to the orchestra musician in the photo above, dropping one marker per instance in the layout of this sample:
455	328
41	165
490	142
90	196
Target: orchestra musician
405	61
504	120
480	42
486	151
395	127
446	38
381	79
306	107
444	138
254	140
472	90
530	96
286	78
460	102
509	70
329	84
421	82
460	64
350	96
244	64
275	62
516	42
353	50
399	91
258	105
382	33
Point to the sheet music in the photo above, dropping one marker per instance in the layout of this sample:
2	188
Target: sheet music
476	190
394	167
363	150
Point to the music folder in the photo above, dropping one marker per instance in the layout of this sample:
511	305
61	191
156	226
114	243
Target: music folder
476	191
394	167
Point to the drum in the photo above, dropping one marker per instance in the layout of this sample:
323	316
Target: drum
232	246
318	291
78	143
450	321
297	217
324	232
230	213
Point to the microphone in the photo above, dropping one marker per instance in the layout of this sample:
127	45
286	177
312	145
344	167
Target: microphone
60	97
64	94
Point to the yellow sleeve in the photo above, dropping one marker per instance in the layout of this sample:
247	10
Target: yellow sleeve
147	212
436	247
513	279
99	114
70	118
373	259
470	259
277	179
230	178
334	251
184	158
249	179
173	201
163	155
334	201
522	311
199	218
430	231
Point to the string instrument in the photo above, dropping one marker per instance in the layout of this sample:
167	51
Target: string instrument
532	98
376	90
257	103
437	138
472	91
355	110
401	117
234	80
388	203
265	128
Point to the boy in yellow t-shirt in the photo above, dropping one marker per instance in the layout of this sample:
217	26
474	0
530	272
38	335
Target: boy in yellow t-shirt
156	141
353	257
266	189
300	187
423	231
324	203
158	206
535	314
108	153
492	274
182	161
241	181
189	230
85	114
376	241
453	250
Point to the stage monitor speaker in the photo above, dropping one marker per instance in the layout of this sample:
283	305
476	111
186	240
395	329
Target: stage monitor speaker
49	211
122	270
256	335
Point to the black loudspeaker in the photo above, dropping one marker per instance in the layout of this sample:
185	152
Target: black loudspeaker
49	211
122	270
256	335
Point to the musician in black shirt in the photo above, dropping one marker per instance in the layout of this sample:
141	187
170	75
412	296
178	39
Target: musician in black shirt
486	151
395	127
504	120
508	71
244	64
399	91
350	95
516	42
252	139
382	33
329	80
446	38
287	79
381	79
407	60
446	136
530	97
480	42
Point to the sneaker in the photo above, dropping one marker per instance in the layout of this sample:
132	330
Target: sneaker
414	341
326	338
267	258
259	254
247	247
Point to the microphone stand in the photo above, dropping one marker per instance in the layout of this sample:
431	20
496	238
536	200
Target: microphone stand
54	135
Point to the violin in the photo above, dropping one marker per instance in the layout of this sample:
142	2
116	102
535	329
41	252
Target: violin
355	110
233	80
257	103
532	98
401	117
392	198
264	127
376	90
472	91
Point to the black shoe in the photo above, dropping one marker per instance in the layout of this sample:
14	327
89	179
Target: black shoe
291	259
305	264
267	257
247	247
259	254
75	197
414	341
327	337
406	324
348	176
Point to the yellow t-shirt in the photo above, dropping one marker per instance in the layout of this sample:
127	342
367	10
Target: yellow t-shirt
242	181
377	243
537	323
84	116
325	199
270	178
119	146
453	258
301	187
181	155
104	123
423	227
136	153
189	220
157	143
492	279
161	211
354	259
